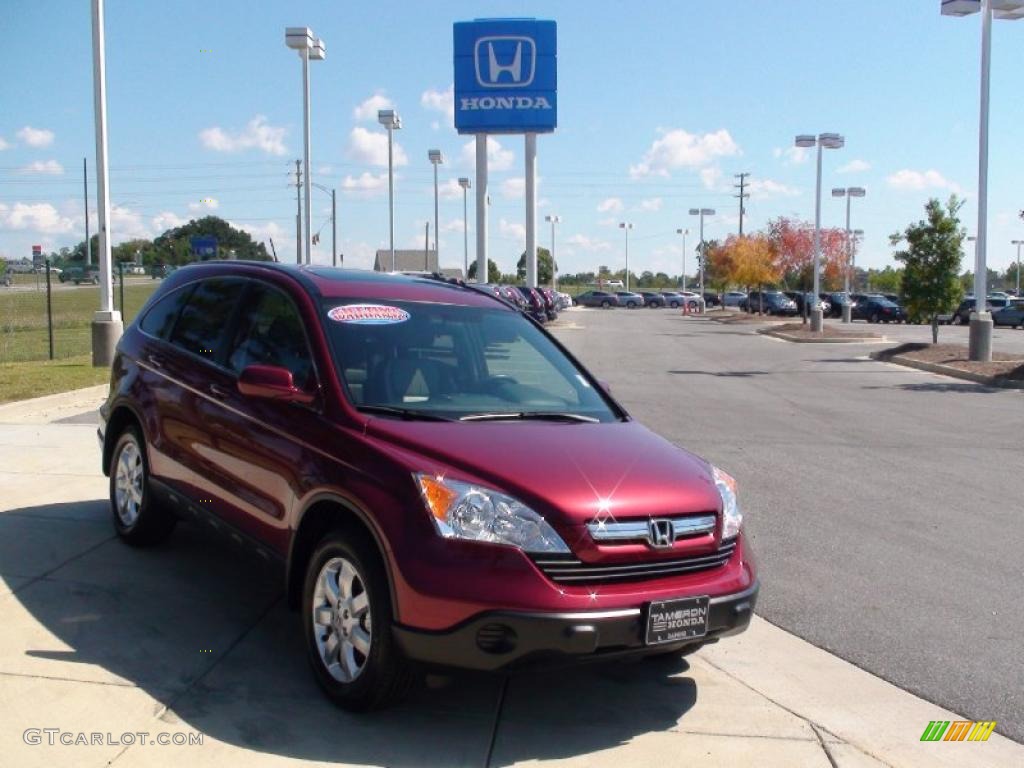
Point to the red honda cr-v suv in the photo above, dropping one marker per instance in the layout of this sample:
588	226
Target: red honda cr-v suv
444	482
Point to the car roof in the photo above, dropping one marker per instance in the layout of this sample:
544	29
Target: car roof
336	283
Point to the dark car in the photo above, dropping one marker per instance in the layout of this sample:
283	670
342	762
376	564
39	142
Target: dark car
878	309
79	275
805	302
673	299
770	302
629	299
420	457
550	302
1011	315
597	299
836	301
653	300
536	306
712	299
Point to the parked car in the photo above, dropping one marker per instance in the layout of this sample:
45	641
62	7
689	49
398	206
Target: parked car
836	301
550	305
800	298
536	306
712	299
653	300
770	302
1011	315
878	309
160	271
733	298
962	314
564	300
425	488
597	299
79	275
629	299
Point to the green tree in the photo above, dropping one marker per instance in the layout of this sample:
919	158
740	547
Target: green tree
130	249
174	246
493	273
888	280
78	252
931	262
544	266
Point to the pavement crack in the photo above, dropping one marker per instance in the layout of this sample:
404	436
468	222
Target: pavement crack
497	721
824	746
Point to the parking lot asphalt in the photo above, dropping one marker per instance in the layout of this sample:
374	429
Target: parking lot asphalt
885	504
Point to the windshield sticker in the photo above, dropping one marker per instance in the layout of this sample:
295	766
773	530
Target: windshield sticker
368	314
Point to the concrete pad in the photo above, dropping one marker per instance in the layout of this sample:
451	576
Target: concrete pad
31	546
41	410
865	711
524	745
33	702
848	756
50	449
58	498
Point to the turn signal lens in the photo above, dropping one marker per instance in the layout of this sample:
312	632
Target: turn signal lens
436	495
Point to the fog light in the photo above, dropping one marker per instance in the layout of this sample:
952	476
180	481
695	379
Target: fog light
496	638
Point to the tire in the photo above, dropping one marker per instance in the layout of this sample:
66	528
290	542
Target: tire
139	519
873	318
605	304
674	305
382	677
631	305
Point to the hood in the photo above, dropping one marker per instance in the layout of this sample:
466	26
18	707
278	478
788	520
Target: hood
567	472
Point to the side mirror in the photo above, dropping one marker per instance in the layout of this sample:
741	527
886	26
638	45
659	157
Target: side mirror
271	382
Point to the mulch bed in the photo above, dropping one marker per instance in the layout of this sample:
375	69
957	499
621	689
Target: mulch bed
742	318
1002	368
828	331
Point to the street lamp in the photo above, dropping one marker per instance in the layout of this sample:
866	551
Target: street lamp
436	159
702	212
684	233
464	183
849	193
823	141
390	120
1018	243
309	47
980	345
554	267
626	226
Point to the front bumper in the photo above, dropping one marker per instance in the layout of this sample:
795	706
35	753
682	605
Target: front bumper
501	639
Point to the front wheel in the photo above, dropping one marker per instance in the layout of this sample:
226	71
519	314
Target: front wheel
139	519
605	304
346	615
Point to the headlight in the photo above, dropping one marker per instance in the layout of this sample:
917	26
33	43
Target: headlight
732	518
465	511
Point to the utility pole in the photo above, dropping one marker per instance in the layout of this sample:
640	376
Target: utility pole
743	195
426	247
334	230
298	211
85	197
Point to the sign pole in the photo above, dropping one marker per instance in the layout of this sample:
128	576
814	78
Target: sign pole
531	209
481	208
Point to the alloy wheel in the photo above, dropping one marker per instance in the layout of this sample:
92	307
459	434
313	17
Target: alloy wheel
341	619
129	483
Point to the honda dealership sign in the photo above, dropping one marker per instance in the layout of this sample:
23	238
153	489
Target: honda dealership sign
505	78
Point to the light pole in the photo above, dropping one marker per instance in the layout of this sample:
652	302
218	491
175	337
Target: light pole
824	141
436	159
554	267
855	237
684	233
1018	243
849	193
390	120
980	345
464	183
626	226
309	48
702	212
334	223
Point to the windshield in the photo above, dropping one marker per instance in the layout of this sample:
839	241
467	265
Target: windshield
451	361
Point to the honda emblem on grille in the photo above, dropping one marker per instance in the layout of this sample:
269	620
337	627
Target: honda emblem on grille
661	533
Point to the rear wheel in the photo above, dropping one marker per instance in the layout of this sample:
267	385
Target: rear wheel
346	616
873	318
605	304
631	304
139	519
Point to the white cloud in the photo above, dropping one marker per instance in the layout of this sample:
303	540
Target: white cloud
35	217
650	204
513	188
512	230
366	184
126	224
763	189
440	101
498	159
711	177
371	148
51	167
679	149
455	225
588	243
36	137
610	204
206	204
258	134
167	220
854	166
791	155
609	221
368	109
921	180
3	144
449	189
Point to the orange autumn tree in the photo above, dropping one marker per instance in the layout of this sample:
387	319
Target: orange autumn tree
794	243
752	260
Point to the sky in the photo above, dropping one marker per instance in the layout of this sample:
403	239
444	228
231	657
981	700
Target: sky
659	105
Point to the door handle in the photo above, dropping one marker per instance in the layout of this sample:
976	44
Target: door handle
155	360
217	391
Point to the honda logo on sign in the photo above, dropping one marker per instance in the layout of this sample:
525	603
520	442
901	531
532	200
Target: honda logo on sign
505	61
661	533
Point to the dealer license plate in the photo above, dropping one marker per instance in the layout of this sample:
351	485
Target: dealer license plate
670	621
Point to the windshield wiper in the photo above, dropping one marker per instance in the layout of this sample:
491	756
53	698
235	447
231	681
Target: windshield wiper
409	414
530	416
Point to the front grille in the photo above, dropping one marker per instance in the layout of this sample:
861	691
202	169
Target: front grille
566	569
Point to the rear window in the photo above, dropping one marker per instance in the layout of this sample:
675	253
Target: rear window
204	318
159	318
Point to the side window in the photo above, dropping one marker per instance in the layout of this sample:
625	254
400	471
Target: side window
270	333
205	316
159	319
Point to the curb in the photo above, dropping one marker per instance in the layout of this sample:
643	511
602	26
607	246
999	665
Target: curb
948	370
824	339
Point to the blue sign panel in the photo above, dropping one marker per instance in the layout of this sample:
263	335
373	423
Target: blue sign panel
505	76
203	247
